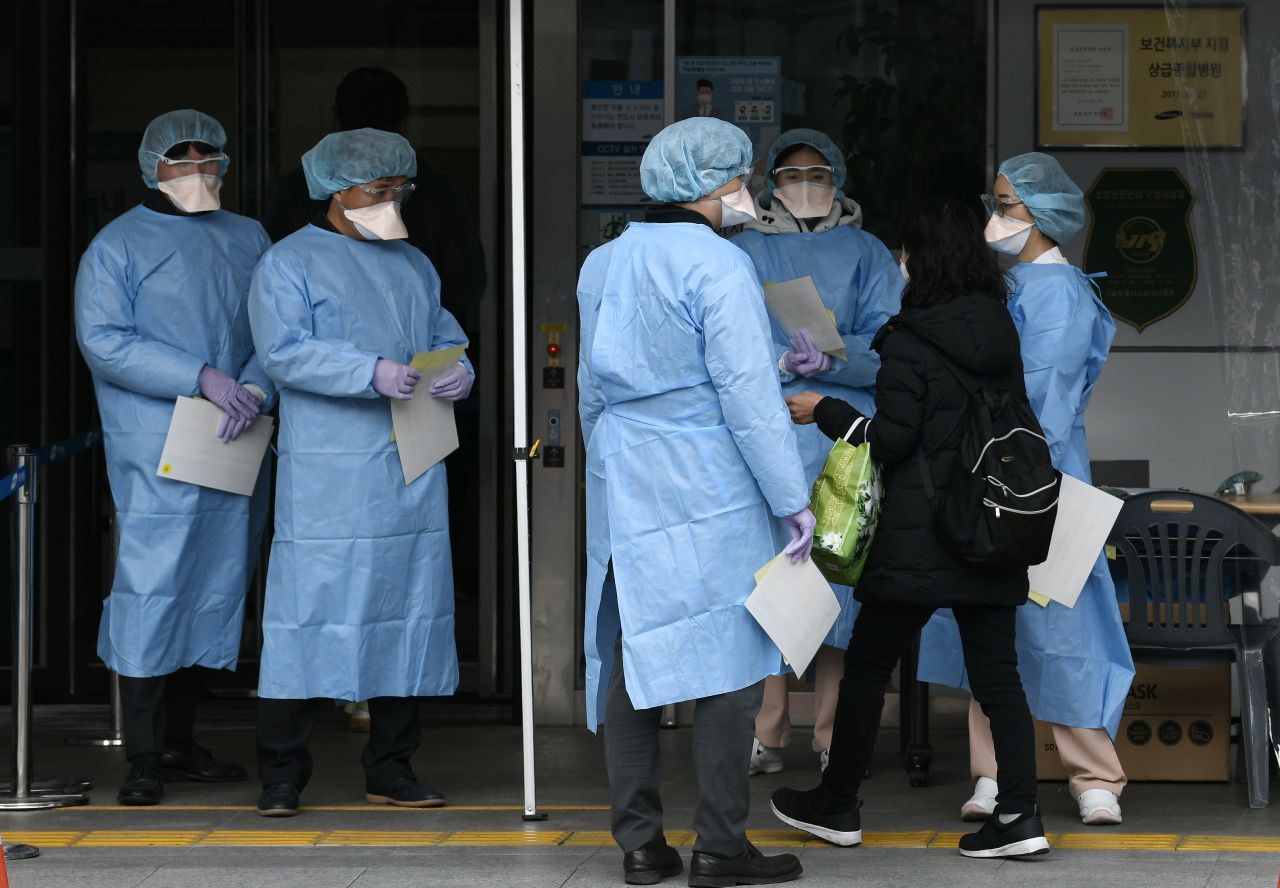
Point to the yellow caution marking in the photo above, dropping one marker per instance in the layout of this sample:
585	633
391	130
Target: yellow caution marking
360	838
127	838
524	837
946	840
1229	843
594	839
781	838
916	839
1095	842
271	837
55	839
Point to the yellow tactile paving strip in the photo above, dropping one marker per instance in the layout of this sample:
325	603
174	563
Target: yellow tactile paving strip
542	837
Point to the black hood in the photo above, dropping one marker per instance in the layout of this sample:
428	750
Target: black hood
975	332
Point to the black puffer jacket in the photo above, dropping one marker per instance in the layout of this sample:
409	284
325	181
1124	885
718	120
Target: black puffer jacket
920	402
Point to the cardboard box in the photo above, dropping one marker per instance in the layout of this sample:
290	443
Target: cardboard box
1176	726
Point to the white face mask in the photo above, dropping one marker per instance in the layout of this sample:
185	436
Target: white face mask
1005	235
807	200
737	208
378	222
196	193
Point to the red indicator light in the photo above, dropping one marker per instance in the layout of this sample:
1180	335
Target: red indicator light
553	349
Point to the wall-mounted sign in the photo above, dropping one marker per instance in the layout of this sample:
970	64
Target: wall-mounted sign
619	117
1138	77
744	90
1141	237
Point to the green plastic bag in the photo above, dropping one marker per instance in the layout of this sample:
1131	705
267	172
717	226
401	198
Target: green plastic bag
846	502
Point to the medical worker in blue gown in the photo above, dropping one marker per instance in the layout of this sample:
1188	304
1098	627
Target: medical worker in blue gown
360	587
161	313
691	455
1075	662
806	226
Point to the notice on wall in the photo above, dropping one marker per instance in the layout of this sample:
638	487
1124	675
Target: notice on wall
619	117
1137	77
1141	237
744	90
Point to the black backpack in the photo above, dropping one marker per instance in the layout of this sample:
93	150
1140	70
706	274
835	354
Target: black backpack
998	512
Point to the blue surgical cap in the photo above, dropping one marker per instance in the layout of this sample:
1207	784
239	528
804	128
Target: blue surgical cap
174	128
1047	191
692	158
819	142
355	157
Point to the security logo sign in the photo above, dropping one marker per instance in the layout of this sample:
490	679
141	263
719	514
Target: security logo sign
1141	237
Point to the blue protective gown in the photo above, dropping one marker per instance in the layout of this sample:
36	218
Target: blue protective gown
1074	662
158	297
860	282
360	586
690	450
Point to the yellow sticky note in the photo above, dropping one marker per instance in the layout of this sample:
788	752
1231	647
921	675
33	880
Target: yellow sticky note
430	364
1039	599
166	469
764	570
1111	553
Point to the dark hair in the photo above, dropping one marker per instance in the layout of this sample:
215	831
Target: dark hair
179	151
789	151
371	97
708	84
947	256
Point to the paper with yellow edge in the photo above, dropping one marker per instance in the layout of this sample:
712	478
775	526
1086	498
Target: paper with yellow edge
1039	599
796	305
194	453
795	606
425	431
1084	521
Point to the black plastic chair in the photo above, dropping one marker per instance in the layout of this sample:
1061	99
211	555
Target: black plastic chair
1175	548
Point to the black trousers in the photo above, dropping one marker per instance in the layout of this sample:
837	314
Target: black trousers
284	729
879	636
160	711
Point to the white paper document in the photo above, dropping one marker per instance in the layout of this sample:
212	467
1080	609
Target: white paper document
796	305
794	604
424	426
193	452
1085	518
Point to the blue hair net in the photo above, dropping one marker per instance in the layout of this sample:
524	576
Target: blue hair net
355	157
816	140
1047	191
174	128
692	158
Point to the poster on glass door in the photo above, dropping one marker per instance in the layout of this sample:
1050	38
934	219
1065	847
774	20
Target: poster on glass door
744	90
619	117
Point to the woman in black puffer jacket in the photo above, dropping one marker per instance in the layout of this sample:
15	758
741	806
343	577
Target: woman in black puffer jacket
955	302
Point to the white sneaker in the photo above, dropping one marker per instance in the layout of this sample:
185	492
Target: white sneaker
1099	807
824	758
983	802
764	759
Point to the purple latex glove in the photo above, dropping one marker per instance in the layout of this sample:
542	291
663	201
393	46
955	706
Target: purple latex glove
801	525
805	359
395	380
453	386
234	399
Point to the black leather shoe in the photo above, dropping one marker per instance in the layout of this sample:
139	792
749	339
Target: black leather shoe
278	800
650	864
406	792
752	868
145	783
198	765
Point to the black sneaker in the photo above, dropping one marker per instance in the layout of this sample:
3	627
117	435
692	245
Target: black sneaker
406	792
650	864
803	810
145	783
278	800
753	868
1023	837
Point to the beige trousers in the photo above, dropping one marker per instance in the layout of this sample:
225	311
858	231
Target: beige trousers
1087	753
773	724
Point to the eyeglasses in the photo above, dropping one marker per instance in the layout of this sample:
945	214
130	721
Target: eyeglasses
400	192
998	204
186	162
791	175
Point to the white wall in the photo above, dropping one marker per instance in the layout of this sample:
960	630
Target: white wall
1172	407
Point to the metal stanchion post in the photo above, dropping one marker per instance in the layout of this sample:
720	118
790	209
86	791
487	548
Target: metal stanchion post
113	737
21	796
